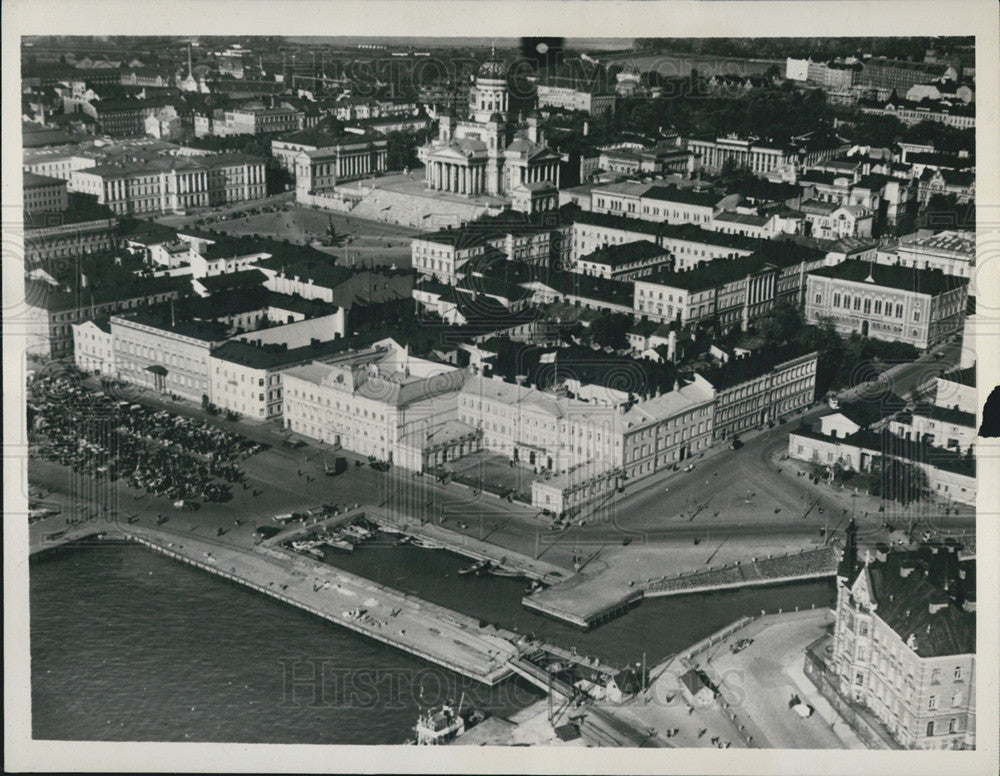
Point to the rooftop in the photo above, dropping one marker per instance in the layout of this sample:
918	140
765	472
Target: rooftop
159	317
32	181
270	356
81	208
932	580
740	370
951	241
922	281
711	274
618	255
684	196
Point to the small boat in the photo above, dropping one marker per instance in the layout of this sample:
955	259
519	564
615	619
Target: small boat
499	571
533	587
476	568
308	548
356	532
405	539
338	543
442	724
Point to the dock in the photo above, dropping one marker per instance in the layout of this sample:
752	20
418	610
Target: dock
470	547
429	631
582	605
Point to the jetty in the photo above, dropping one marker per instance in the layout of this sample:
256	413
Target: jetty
434	633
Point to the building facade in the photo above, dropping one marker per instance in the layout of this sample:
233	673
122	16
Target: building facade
901	304
44	195
904	644
152	351
783	389
366	401
174	185
93	351
321	169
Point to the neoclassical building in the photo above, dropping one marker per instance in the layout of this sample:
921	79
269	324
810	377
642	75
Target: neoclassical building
481	155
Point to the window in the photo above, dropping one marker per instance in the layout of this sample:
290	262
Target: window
936	676
952	725
958	669
819	298
859	678
956	700
932	703
930	728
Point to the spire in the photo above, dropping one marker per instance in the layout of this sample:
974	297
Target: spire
493	50
190	70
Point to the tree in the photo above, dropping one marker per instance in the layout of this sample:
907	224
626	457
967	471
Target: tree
610	330
781	323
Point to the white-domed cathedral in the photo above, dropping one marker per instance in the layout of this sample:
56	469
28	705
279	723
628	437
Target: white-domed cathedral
482	155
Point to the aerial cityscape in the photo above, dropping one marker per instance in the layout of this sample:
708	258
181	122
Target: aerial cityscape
540	392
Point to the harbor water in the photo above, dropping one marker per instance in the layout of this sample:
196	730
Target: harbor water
129	646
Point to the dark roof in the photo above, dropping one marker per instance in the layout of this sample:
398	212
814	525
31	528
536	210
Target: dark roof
820	176
124	286
711	274
740	370
160	317
318	137
945	414
625	253
888	444
243	279
904	603
31	181
923	281
270	356
865	413
872	181
961	178
146	232
689	232
81	208
761	189
687	196
695	681
938	160
962	376
591	287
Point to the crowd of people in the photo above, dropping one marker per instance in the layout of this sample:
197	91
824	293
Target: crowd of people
157	452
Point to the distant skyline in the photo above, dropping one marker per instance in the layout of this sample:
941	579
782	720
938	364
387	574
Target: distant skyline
444	40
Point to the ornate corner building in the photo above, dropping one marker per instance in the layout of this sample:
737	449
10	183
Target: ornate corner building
905	640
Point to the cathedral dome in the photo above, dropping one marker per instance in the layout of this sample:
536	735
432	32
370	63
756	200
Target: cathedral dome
493	68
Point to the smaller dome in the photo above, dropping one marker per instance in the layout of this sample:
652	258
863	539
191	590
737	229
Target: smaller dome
533	114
